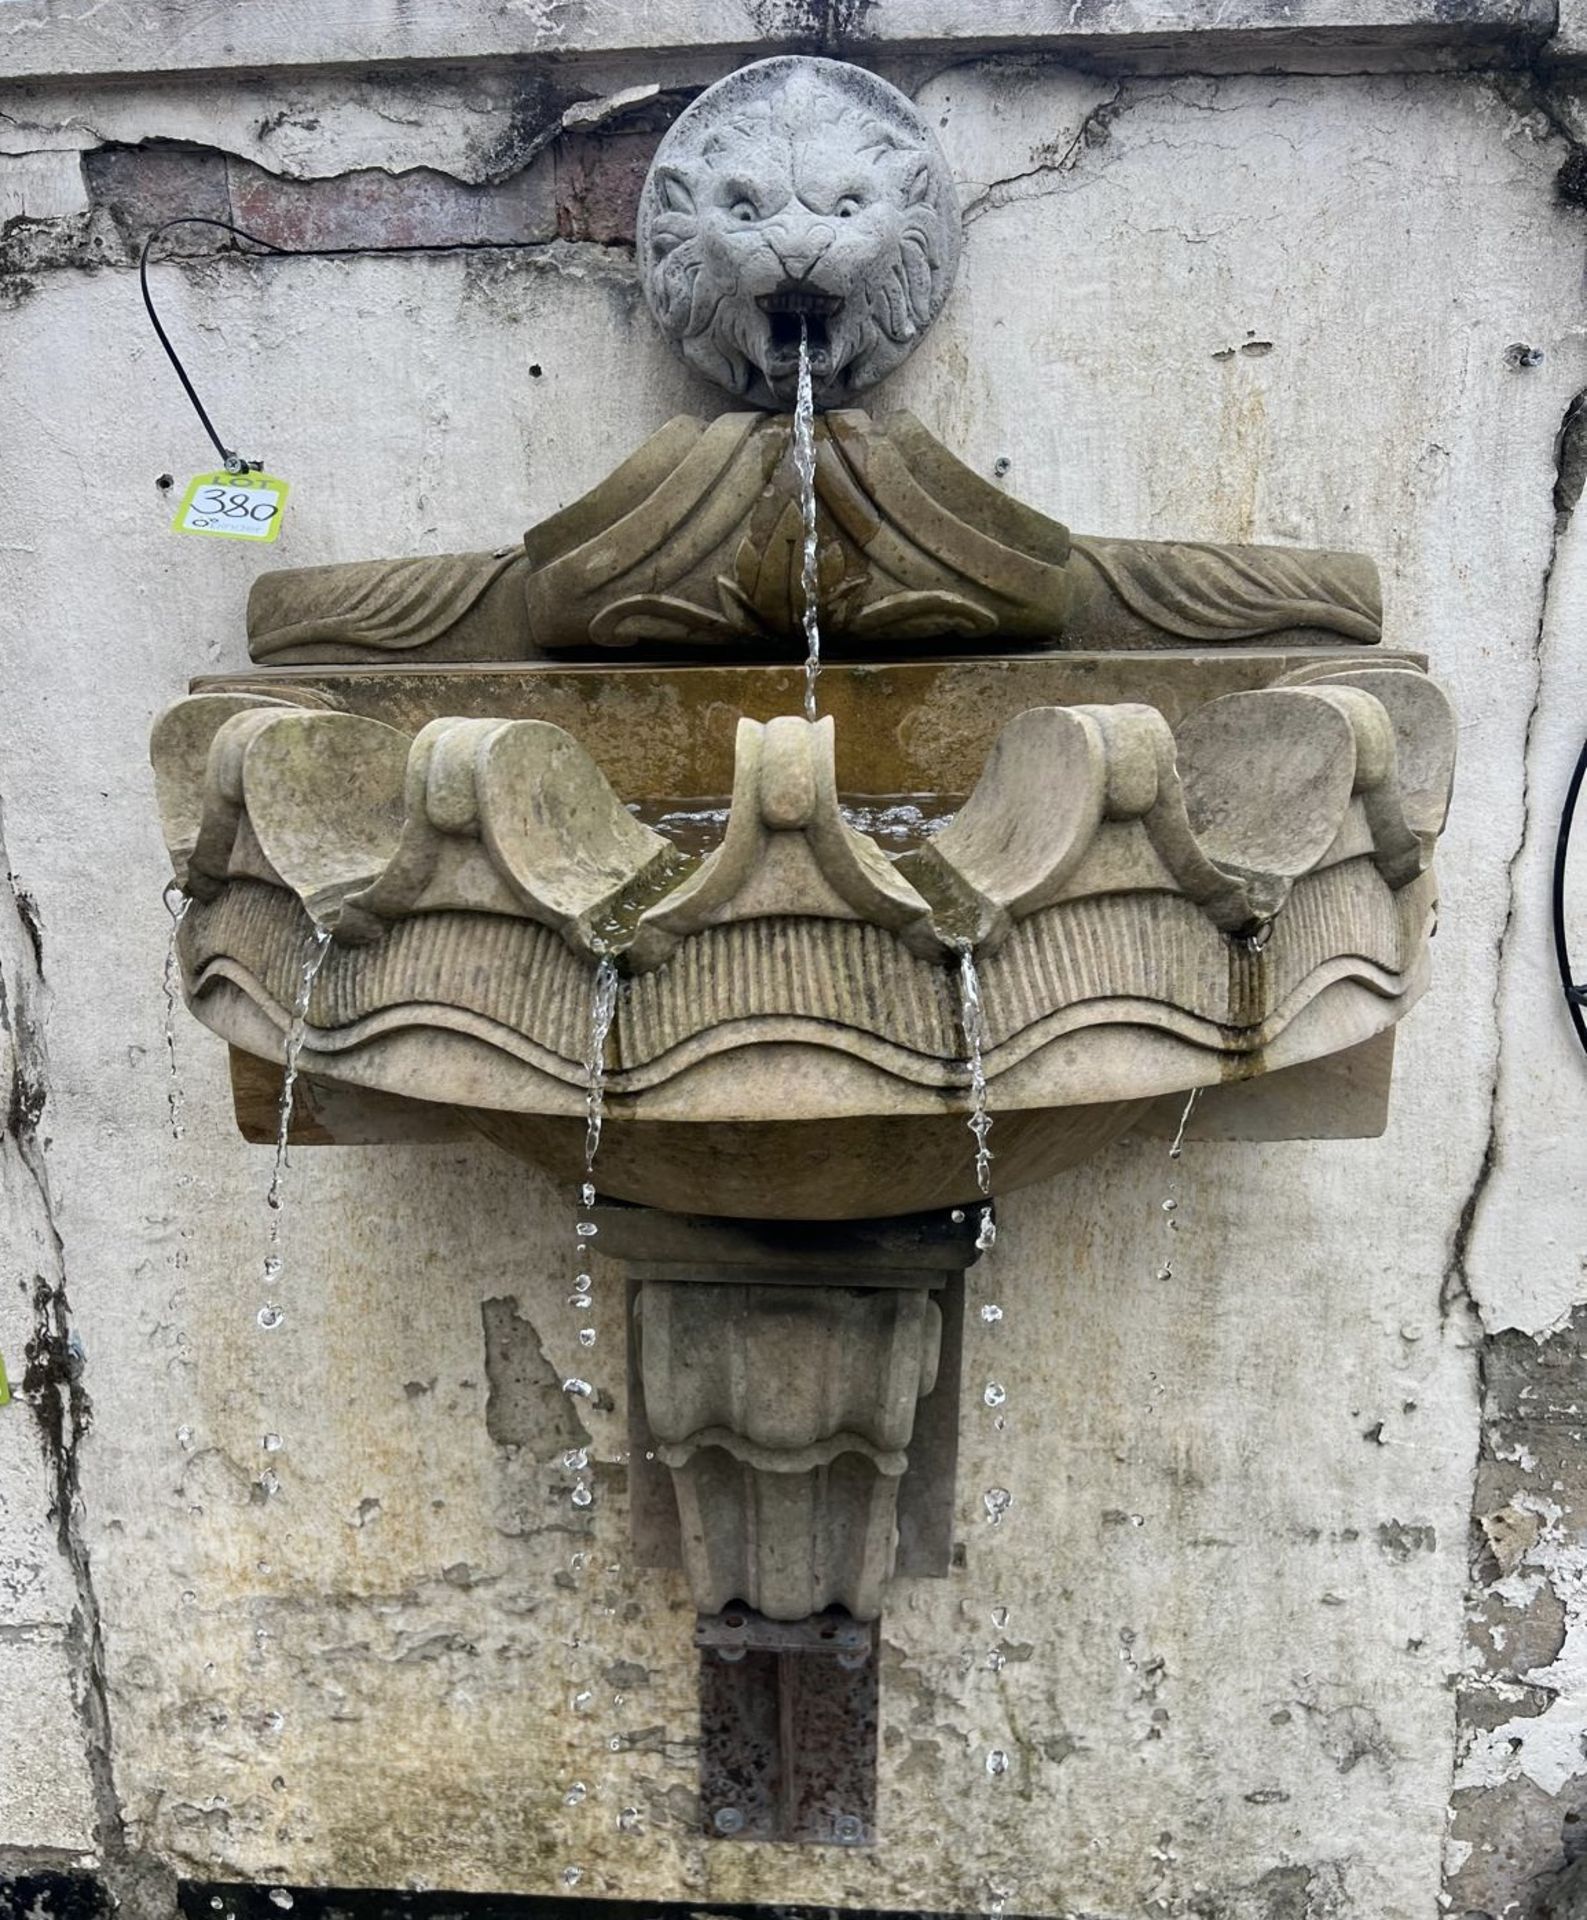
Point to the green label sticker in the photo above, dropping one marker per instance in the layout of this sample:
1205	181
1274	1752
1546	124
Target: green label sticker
5	1384
233	506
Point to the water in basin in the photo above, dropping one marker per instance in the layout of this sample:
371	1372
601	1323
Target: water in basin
897	822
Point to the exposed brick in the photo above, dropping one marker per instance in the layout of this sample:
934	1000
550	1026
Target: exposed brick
380	211
598	180
143	187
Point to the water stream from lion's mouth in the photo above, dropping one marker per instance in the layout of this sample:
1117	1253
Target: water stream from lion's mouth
804	456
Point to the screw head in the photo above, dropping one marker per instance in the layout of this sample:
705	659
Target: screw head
728	1820
847	1829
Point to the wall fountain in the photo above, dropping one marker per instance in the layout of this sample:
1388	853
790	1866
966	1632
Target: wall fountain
767	827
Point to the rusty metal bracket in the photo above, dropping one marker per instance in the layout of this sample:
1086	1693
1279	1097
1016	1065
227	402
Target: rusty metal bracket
788	1716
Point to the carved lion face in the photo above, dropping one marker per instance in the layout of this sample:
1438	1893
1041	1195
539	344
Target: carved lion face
798	191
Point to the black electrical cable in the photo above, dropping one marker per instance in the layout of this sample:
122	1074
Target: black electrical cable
1575	993
233	461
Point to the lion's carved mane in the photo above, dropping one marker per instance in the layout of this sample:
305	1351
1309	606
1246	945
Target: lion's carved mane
798	191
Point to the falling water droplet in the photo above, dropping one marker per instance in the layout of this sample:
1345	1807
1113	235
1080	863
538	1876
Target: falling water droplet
587	1194
579	1300
271	1443
184	1438
581	1495
575	1793
571	1876
270	1316
997	1660
994	1393
279	1897
576	1459
804	459
1000	1618
997	1501
957	1216
997	1762
630	1820
986	1233
586	1336
269	1483
583	1700
991	1313
1166	1270
273	1721
580	1389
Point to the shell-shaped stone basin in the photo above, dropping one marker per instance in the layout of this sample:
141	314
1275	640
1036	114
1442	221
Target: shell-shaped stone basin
1225	876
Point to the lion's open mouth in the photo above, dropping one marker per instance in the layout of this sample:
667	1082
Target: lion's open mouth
791	307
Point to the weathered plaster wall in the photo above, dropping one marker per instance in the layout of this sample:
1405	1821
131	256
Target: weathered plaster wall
1295	1571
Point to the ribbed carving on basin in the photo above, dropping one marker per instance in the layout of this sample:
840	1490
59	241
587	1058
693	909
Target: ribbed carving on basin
1161	947
513	972
1153	959
832	970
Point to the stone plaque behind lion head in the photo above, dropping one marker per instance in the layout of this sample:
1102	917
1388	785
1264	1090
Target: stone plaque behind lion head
798	192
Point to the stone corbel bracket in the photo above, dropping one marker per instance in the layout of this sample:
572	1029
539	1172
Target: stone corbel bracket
796	1387
785	1415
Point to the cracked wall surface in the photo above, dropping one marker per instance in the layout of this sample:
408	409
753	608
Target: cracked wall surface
1294	1574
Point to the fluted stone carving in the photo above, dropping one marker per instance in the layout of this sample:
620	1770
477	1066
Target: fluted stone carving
1149	908
692	546
785	1414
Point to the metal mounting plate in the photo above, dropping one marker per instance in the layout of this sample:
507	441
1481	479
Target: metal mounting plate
788	1716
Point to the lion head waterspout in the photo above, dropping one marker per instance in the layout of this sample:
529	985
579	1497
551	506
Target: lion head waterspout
798	192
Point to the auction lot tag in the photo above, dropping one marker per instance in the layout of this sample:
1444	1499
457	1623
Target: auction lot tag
236	506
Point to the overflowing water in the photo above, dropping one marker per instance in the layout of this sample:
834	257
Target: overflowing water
603	1011
171	983
897	822
972	1023
804	456
270	1314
